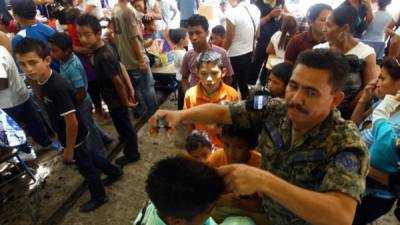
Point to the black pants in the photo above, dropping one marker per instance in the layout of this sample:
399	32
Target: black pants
371	209
125	129
89	165
181	97
255	68
94	92
240	65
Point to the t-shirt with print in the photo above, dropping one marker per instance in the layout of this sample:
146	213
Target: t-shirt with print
59	101
37	31
189	70
16	93
73	72
106	66
126	27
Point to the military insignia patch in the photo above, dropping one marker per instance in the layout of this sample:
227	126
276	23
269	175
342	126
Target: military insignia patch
348	160
259	101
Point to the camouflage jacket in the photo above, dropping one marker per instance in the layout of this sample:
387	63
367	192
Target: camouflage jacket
329	157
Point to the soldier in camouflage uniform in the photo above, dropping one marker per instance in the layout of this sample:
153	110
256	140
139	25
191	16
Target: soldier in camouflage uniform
314	162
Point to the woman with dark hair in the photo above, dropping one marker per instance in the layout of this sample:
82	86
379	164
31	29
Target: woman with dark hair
381	137
338	32
280	39
364	14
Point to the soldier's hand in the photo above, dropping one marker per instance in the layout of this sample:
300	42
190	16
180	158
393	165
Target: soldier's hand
166	119
242	179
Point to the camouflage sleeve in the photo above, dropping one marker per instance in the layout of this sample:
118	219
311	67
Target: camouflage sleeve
244	115
346	172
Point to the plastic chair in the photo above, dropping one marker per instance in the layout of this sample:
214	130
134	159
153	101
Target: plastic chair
6	155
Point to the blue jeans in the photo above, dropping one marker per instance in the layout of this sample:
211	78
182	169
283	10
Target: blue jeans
145	92
27	114
94	142
125	129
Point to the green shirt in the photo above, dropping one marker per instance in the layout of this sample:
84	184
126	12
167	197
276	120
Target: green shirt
151	217
329	157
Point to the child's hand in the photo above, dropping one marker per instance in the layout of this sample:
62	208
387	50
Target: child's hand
68	156
143	68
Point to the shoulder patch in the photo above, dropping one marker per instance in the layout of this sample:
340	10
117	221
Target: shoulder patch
348	160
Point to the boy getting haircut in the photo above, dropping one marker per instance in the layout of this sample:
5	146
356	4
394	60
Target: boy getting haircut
198	145
181	191
210	89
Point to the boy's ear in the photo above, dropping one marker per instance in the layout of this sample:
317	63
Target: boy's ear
223	72
47	59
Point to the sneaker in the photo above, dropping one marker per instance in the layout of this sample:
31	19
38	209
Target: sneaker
92	205
110	179
53	146
123	160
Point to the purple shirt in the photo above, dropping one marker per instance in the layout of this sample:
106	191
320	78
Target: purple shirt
189	69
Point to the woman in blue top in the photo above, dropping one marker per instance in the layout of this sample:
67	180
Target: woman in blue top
379	127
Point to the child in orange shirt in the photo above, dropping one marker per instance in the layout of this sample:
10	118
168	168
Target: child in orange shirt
210	89
239	145
198	146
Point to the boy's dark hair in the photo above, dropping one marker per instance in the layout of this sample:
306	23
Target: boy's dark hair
24	8
198	20
72	14
197	140
334	62
183	188
27	45
314	11
146	21
346	14
176	35
249	135
61	40
283	71
219	30
90	21
209	56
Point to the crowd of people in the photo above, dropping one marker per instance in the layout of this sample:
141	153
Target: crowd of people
285	116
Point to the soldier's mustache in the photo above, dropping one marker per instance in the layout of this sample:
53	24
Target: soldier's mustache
298	107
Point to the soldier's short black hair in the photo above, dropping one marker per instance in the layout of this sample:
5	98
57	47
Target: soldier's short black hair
61	40
249	135
219	30
326	59
90	21
209	56
183	188
27	45
198	20
196	140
